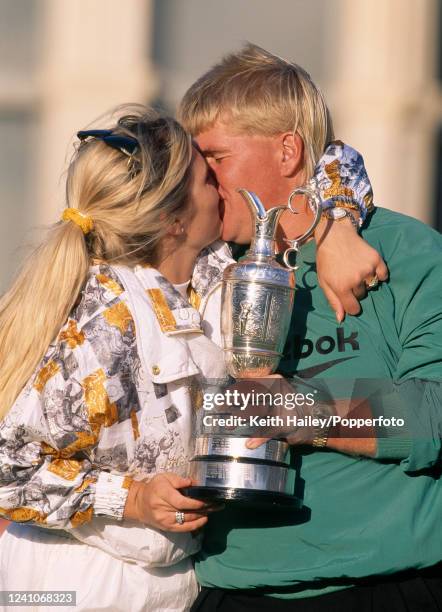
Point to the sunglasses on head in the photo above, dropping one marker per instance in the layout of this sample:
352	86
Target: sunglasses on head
125	144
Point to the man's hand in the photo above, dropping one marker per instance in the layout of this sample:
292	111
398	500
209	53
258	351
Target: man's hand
345	265
359	442
364	447
301	435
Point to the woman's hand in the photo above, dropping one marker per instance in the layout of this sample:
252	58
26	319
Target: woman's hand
156	502
346	264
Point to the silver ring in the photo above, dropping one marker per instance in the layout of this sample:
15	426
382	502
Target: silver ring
179	517
374	282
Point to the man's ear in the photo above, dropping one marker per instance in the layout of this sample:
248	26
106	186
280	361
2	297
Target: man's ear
291	148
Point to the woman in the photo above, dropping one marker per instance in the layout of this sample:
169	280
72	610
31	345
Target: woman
101	357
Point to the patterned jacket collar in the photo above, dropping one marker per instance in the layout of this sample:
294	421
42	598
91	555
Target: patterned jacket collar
209	268
174	313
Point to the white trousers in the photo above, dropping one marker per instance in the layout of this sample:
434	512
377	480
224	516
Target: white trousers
39	560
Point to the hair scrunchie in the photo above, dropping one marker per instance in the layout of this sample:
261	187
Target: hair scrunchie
85	222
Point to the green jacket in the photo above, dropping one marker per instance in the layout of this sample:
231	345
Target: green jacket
361	516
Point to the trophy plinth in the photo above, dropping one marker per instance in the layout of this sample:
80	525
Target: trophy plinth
225	470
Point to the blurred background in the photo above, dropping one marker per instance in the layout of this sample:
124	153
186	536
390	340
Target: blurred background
64	62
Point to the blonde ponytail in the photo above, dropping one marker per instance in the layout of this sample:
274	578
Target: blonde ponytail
129	209
38	304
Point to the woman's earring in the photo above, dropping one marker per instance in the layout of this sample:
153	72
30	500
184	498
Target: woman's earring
182	229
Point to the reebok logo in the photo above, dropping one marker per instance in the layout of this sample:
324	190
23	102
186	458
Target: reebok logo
303	347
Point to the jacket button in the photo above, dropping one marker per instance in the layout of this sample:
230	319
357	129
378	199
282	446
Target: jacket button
155	370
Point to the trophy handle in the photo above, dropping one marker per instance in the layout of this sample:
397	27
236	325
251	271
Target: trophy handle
315	206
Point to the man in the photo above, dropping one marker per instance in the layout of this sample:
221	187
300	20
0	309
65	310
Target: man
369	536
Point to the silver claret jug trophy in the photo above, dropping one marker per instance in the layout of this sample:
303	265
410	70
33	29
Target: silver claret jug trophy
257	303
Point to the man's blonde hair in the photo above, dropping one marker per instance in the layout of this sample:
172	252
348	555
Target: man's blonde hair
256	92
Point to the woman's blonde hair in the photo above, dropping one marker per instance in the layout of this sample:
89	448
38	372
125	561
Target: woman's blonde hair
129	200
256	92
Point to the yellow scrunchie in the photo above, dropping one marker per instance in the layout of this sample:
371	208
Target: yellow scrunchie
83	221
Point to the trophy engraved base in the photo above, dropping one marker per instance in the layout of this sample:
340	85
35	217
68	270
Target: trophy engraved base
225	470
259	499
